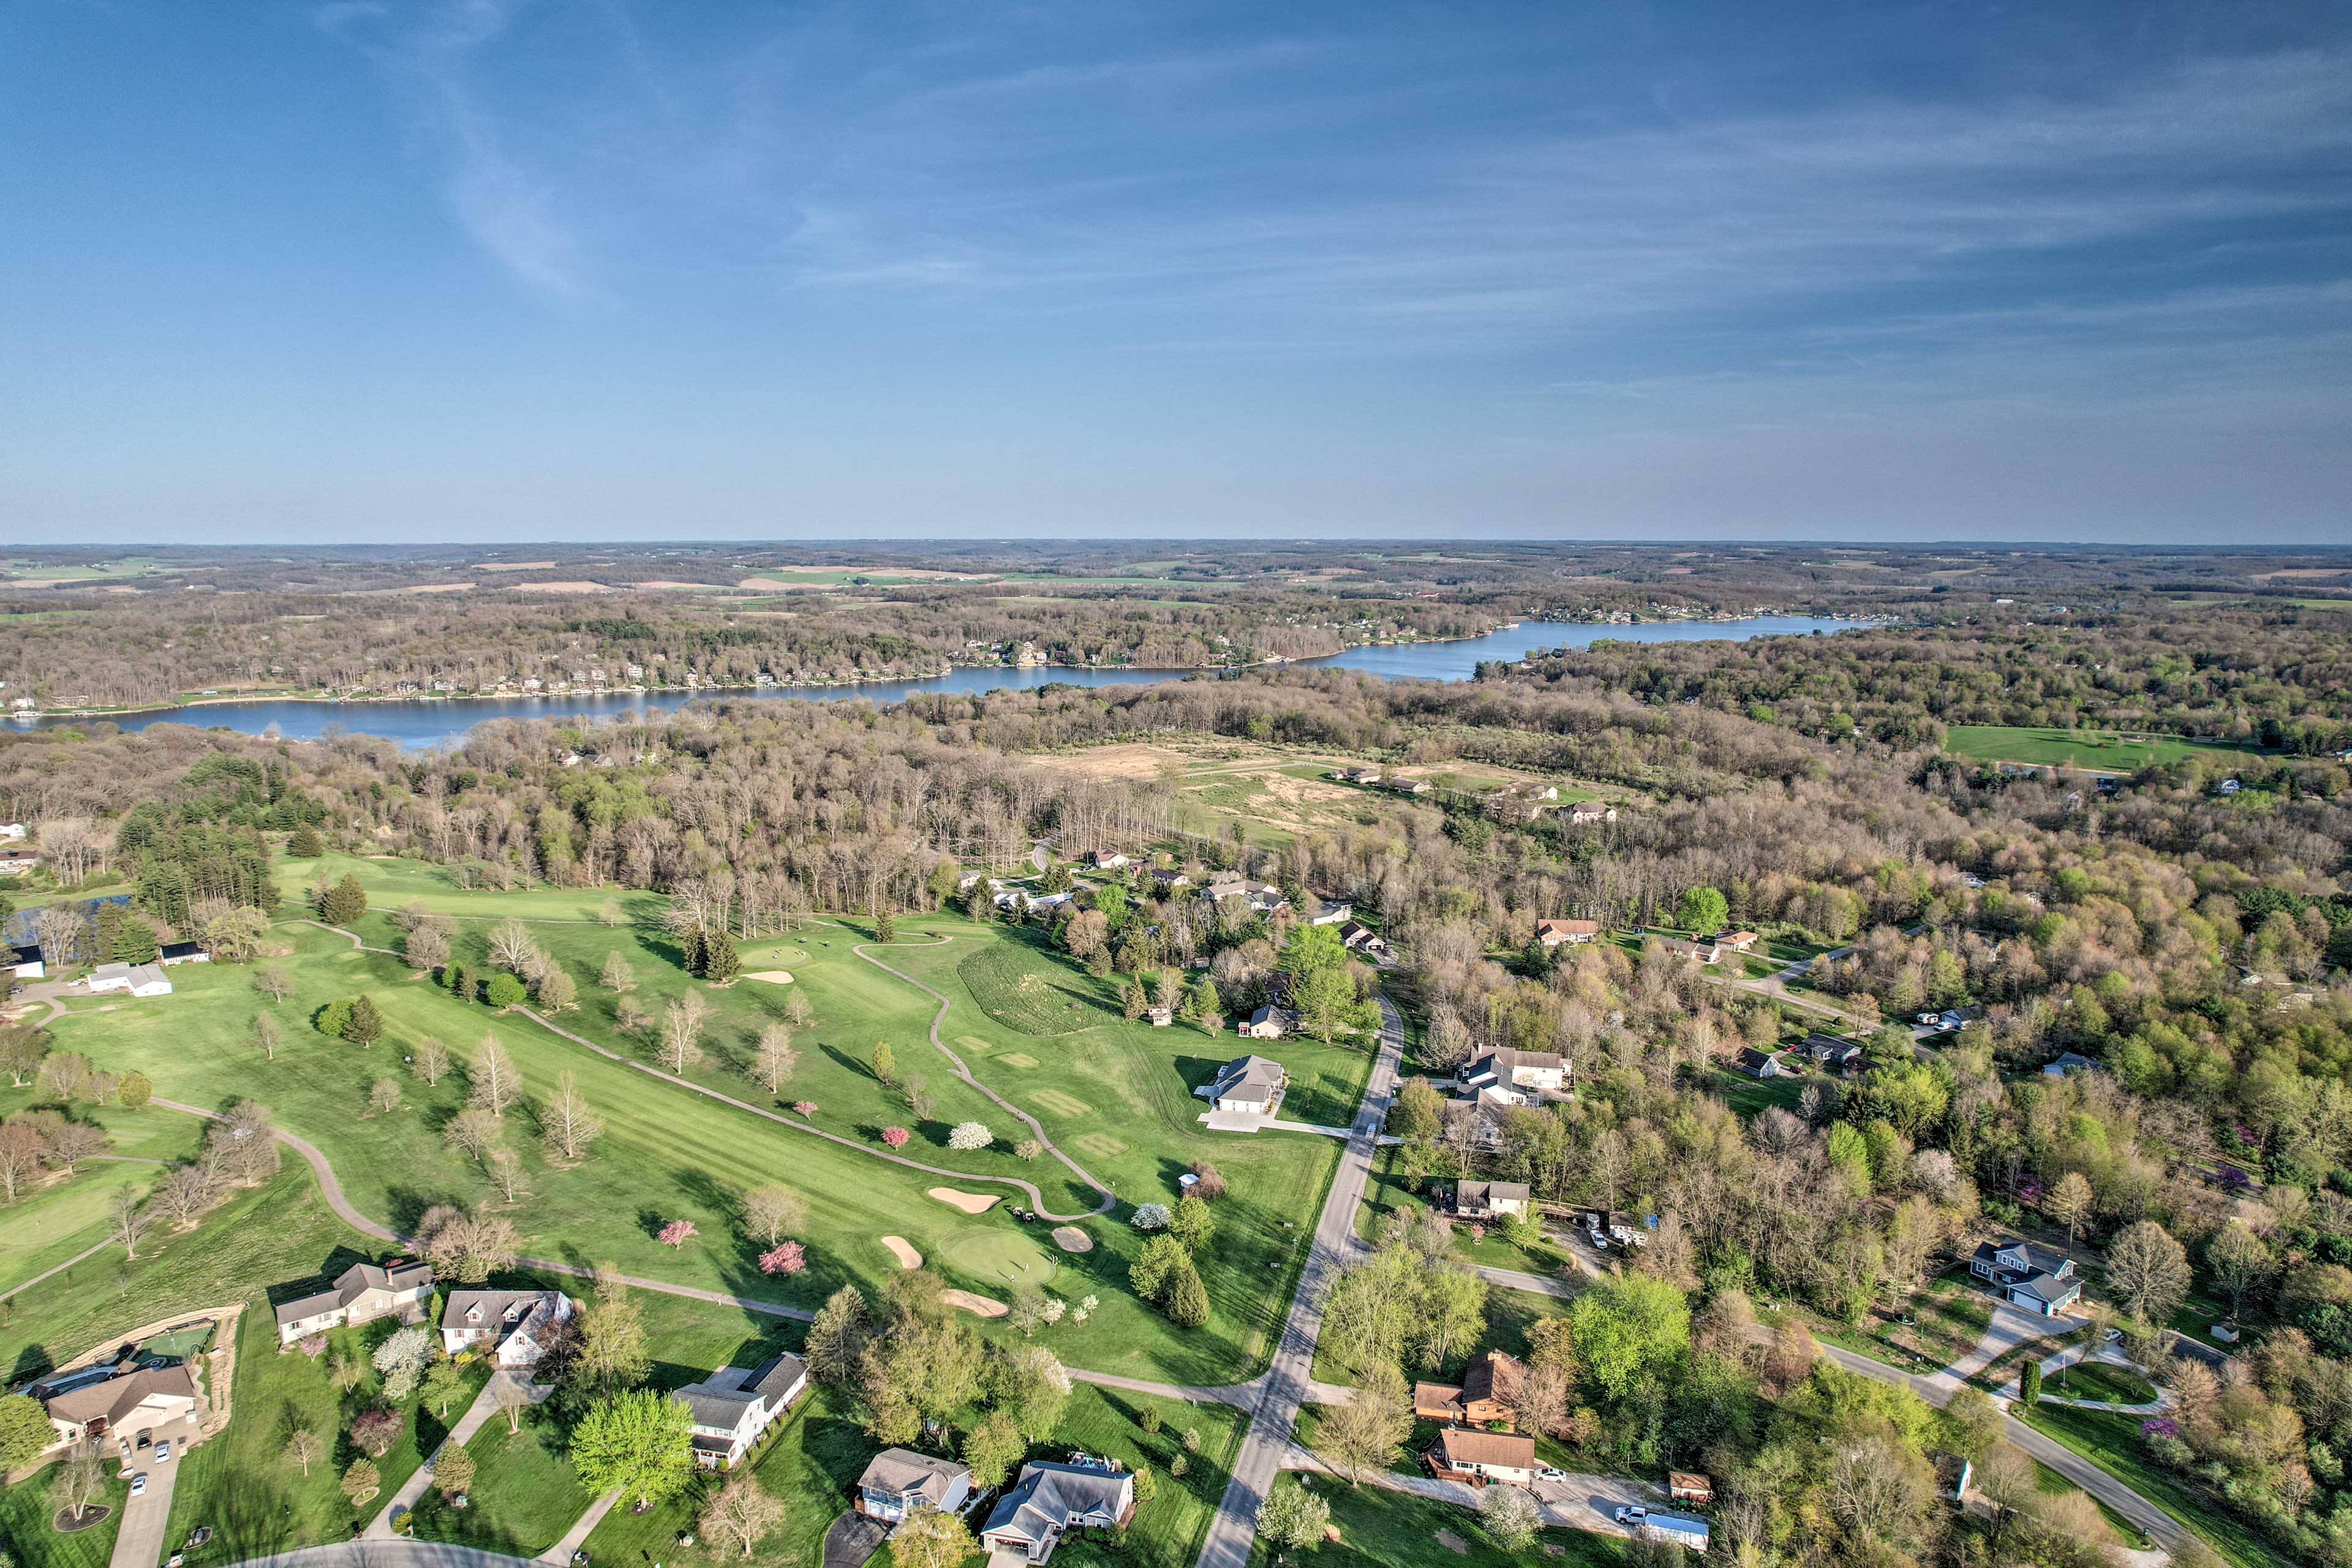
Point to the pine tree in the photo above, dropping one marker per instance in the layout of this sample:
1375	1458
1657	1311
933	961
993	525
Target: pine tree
345	901
721	962
365	1027
305	845
1188	1298
693	952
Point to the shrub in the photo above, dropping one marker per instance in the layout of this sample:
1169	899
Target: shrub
1151	1216
374	1432
970	1135
503	990
805	1107
785	1257
896	1137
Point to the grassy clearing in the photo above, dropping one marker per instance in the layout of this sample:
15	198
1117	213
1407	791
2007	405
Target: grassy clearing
1947	1320
392	884
2098	1380
1750	1096
525	1493
26	1534
2093	750
1398	1529
2113	1443
1025	988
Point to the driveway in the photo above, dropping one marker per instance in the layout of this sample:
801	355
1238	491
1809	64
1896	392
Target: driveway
139	1543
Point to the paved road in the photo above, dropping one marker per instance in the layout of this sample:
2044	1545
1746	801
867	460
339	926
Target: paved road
139	1542
1284	1384
397	1553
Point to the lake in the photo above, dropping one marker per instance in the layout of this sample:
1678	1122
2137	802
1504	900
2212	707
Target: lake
443	722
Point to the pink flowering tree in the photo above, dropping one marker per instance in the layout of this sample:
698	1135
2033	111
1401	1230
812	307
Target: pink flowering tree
895	1136
676	1232
785	1257
805	1107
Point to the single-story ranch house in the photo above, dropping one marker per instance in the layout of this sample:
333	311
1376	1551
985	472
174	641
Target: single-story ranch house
1051	1499
1248	1085
1466	1454
362	1294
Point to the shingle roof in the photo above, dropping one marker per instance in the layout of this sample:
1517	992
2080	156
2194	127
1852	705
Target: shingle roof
1492	1374
117	1396
897	1471
1249	1077
1462	1446
1049	1496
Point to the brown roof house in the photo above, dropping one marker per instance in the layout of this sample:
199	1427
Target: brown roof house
1488	1396
1466	1454
1551	934
1051	1499
123	1400
362	1294
899	1481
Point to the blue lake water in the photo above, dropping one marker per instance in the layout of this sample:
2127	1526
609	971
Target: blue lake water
424	724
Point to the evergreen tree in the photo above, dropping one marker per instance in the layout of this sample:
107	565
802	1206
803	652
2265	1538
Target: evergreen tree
363	1025
305	845
693	952
2029	1385
721	962
1188	1298
345	901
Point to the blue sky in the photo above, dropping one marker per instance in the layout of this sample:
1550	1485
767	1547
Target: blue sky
456	269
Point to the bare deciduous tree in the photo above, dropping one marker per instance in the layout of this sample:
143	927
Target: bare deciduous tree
126	1219
429	1061
492	1082
773	1061
770	1212
742	1513
681	1032
565	1119
511	944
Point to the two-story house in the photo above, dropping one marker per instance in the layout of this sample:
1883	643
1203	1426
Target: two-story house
511	1326
2039	1279
1488	1394
732	1406
898	1482
1527	1074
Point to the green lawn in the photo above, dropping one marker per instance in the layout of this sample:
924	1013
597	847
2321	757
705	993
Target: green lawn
2097	1380
1398	1529
2095	751
65	1214
524	1496
2113	1443
26	1537
393	884
1750	1096
1117	1095
1948	1318
1387	1191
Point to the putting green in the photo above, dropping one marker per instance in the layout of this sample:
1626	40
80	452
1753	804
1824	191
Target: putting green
1016	1059
1000	1256
1101	1145
1061	1104
779	956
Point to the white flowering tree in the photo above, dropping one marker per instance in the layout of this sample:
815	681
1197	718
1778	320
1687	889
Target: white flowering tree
971	1135
402	1359
1151	1216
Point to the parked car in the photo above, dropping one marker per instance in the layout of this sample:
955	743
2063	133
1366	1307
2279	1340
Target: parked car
1632	1514
1551	1473
162	1450
138	1485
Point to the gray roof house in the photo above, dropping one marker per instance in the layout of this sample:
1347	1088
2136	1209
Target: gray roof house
2040	1279
513	1325
1478	1200
140	979
1247	1086
899	1481
362	1294
732	1406
1269	1024
1051	1499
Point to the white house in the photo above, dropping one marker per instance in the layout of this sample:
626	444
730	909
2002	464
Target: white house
1533	1072
25	963
1551	934
20	862
1584	812
11	832
513	1326
1247	1086
1466	1453
1268	1024
1051	1499
899	1481
1484	1200
173	953
1264	898
732	1406
139	980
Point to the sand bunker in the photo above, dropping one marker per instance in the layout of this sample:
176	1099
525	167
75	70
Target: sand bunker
773	976
907	1256
977	1306
970	1203
1070	1238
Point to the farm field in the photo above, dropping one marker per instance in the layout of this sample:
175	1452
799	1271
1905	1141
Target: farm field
1118	1096
2091	751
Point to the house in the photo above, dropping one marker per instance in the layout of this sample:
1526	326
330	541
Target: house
1489	1393
1051	1499
1758	1064
899	1481
1160	1017
1700	950
1358	776
139	980
1833	1053
1357	937
2067	1063
172	953
1736	941
512	1325
1330	914
1535	1072
1688	1487
2040	1279
1247	1086
1264	898
1583	813
127	1400
25	963
1269	1024
1484	1200
12	832
1465	1454
362	1294
1551	934
1683	1530
732	1406
1170	880
18	862
1410	786
1107	860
